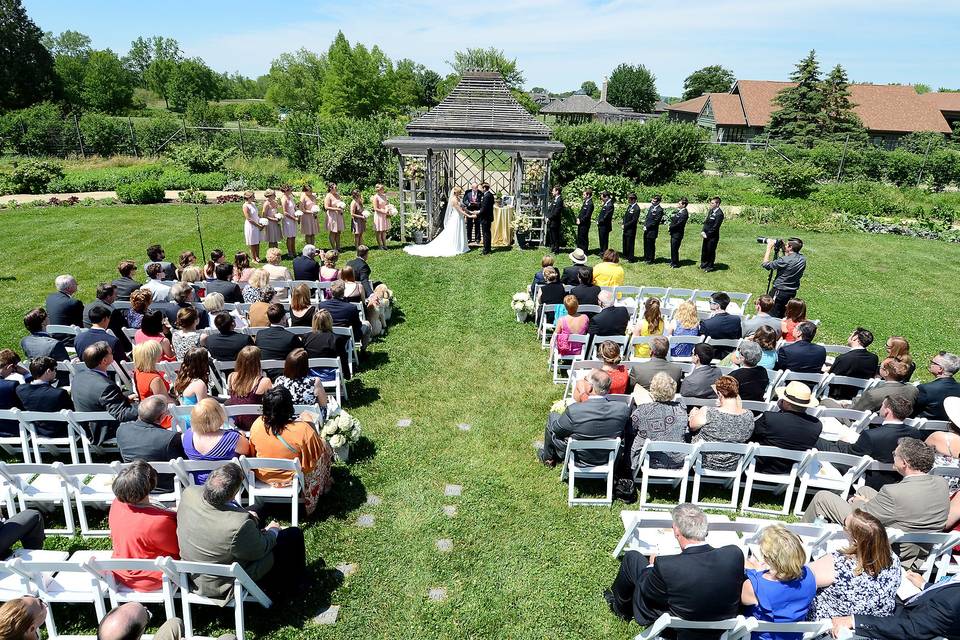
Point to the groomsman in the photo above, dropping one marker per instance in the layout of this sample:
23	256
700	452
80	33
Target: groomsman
678	223
711	235
471	202
553	220
583	220
651	229
630	221
605	220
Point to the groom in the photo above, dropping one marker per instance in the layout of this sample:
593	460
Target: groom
486	216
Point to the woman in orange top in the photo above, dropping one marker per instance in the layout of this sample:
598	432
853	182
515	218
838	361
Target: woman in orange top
280	434
795	313
147	380
609	352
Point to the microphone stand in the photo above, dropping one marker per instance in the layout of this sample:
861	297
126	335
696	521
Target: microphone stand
203	251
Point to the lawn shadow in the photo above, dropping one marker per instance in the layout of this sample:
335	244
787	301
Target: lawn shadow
346	495
361	395
373	359
363	450
396	317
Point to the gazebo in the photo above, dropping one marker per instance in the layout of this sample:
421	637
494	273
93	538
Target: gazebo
582	108
478	133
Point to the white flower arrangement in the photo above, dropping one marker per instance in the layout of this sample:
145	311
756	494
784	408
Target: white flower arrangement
413	170
522	302
521	223
339	204
561	405
341	430
391	210
315	209
417	221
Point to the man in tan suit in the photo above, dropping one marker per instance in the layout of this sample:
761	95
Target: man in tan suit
212	527
917	503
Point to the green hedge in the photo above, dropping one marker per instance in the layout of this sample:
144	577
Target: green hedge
146	192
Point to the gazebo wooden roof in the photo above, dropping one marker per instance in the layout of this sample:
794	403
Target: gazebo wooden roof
480	113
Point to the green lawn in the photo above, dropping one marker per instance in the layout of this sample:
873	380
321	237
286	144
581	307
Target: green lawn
523	565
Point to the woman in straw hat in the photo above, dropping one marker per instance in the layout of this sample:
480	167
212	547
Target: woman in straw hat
252	225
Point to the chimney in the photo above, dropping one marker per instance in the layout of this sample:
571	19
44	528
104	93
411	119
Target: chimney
603	90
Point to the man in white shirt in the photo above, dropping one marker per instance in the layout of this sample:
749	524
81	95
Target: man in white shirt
160	291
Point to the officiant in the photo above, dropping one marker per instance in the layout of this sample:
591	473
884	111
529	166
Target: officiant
471	202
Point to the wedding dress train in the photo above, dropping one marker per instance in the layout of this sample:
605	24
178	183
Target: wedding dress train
452	241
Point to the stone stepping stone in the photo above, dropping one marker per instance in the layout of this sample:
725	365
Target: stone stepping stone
328	615
437	594
445	545
374	500
365	520
347	569
404	422
450	510
463	426
452	490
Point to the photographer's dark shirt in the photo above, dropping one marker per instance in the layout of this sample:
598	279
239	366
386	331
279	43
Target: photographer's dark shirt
789	268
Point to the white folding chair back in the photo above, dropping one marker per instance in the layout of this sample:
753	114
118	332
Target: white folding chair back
675	340
813	537
809	630
730	478
579	369
621	341
816	381
861	384
935	425
120	593
185	469
732	628
822	473
79	419
779	483
13	443
338	385
30	484
572	469
90	484
757	406
560	364
678	476
244	590
70	581
14	585
937	547
258	489
352	347
55	445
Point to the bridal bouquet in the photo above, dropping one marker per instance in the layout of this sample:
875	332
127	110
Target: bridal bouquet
341	430
315	209
560	406
522	302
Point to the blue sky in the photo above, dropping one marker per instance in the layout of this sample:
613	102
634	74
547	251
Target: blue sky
558	43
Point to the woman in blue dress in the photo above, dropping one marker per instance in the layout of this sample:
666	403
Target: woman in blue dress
208	438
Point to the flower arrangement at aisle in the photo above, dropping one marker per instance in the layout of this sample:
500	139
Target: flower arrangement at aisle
561	405
417	223
522	303
533	174
414	170
341	431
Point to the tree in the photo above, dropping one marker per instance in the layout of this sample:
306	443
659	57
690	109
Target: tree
107	85
404	88
192	79
921	88
427	81
26	66
634	87
68	43
71	71
338	79
445	86
295	81
712	79
357	80
144	52
491	59
800	117
839	119
590	88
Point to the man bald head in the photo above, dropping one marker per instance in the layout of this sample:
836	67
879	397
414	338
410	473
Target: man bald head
126	622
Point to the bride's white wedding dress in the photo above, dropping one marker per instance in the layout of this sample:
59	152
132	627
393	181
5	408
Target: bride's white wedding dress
452	241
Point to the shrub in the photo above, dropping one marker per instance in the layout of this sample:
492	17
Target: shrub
153	132
259	112
788	179
921	141
727	157
860	197
618	186
34	176
36	130
903	167
198	158
229	197
942	169
104	135
826	157
145	192
192	196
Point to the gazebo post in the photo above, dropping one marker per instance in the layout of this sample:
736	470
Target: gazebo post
430	178
544	194
403	200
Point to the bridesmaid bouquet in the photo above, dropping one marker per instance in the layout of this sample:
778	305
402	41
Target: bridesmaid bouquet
366	214
391	210
315	209
339	204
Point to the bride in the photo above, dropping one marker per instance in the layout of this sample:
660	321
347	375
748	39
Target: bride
452	240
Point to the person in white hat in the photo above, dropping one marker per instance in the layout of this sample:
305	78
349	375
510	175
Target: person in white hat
789	428
571	274
947	443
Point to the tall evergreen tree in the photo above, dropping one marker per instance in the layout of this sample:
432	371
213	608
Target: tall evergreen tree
839	119
26	66
338	78
800	117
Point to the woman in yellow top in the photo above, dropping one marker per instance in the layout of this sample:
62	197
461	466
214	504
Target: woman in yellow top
280	434
608	273
650	325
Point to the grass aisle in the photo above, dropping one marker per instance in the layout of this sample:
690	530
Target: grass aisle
522	564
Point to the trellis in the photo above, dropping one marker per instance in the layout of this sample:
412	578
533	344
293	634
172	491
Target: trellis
477	133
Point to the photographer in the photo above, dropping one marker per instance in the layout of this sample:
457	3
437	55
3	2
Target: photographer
789	267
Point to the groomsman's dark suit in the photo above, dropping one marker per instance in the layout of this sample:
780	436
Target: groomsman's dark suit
486	219
651	229
553	217
583	223
711	238
678	223
471	202
630	220
605	223
932	613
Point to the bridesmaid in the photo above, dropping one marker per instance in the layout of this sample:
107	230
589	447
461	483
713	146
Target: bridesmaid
251	225
289	208
270	212
381	219
309	208
334	206
358	222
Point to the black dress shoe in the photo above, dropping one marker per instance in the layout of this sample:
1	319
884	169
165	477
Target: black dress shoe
674	266
708	269
614	607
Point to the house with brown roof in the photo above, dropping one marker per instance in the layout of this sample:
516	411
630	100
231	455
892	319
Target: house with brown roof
888	111
948	103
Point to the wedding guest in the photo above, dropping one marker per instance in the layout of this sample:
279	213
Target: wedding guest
612	320
538	278
699	382
659	418
247	384
207	438
193	276
241	267
651	324
274	269
609	353
93	390
185	335
148	381
222	284
571	275
193	377
217	257
358	221
271	213
345	314
334	207
186	259
38	395
727	422
301	307
140	301
781	589
155	253
353	290
642	373
381	217
795	313
685	322
308	214
279	433
125	284
305	266
155	283
361	269
899	349
766	338
252	227
147	439
257	287
571	324
214	303
181	297
608	273
275	341
258	310
104	298
288	209
226	343
21	618
753	379
329	271
151	329
304	387
550	294
39	342
322	342
101	317
586	292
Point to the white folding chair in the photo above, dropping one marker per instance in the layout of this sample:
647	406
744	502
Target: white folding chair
675	340
822	473
815	381
937	547
352	347
636	524
90	484
630	349
724	343
674	477
807	630
935	425
13	443
80	420
621	341
269	493
338	384
775	482
180	480
861	384
120	593
676	296
53	445
545	327
59	330
813	537
561	363
244	590
740	299
725	478
573	469
31	484
578	370
757	406
732	627
859	420
186	469
14	585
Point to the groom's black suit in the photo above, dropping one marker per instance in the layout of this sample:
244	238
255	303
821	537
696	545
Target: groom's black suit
486	219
